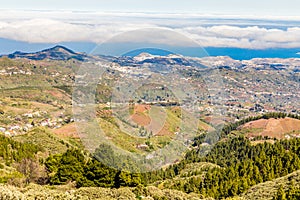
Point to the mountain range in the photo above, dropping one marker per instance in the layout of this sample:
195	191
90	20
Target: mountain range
159	56
60	52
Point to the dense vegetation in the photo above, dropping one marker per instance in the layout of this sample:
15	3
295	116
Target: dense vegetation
242	165
229	168
12	151
86	171
18	161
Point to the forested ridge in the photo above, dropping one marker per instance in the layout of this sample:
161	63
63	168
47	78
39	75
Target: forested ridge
231	166
241	165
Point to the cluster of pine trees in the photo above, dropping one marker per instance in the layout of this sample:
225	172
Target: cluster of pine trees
74	165
12	151
242	165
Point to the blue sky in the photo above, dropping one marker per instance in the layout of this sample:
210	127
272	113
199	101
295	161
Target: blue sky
235	7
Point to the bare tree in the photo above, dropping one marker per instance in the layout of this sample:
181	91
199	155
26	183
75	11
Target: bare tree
32	170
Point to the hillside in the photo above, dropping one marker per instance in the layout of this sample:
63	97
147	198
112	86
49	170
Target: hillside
274	128
145	128
268	190
42	137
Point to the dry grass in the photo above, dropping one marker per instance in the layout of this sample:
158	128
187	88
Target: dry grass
33	192
268	189
68	130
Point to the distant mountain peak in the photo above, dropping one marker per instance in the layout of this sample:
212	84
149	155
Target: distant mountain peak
151	51
143	56
57	52
60	48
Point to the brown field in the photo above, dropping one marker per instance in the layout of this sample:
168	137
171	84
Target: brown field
165	131
140	116
68	130
215	120
276	128
152	118
59	94
141	108
141	119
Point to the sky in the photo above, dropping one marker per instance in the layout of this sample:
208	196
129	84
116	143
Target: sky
236	7
256	24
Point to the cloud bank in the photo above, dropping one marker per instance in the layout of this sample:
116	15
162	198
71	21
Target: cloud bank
208	31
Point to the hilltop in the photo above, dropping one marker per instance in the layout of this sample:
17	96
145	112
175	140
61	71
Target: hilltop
55	53
273	128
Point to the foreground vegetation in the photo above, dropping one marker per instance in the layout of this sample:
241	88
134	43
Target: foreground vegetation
34	191
233	167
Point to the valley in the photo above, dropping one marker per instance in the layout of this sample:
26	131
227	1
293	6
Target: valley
225	128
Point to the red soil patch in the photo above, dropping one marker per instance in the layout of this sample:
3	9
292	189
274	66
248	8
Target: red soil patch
214	120
164	131
276	128
68	130
141	108
58	94
140	116
141	119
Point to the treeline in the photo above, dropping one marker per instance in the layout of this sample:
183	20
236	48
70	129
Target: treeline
242	166
12	151
86	171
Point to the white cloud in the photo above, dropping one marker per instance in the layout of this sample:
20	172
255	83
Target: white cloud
53	31
54	27
244	37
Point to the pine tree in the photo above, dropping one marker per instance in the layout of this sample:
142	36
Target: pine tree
280	194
